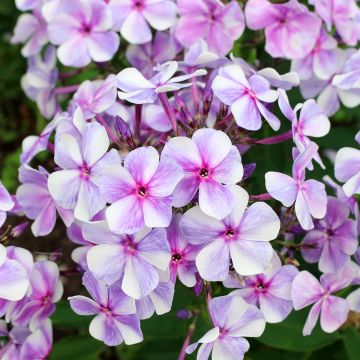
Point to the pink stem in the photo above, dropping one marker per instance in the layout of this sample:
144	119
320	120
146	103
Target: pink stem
273	139
186	343
168	110
261	197
138	110
66	89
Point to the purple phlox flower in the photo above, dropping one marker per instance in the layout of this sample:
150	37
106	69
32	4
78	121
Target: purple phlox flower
38	345
350	73
34	197
354	298
341	14
333	240
245	97
6	203
132	260
282	81
137	89
307	290
32	145
290	29
322	60
78	255
217	23
16	337
143	187
133	18
95	97
347	169
242	237
31	30
312	122
309	196
83	31
14	278
83	163
115	320
45	290
146	56
25	5
211	163
39	81
341	87
270	291
158	301
156	118
233	319
350	201
183	254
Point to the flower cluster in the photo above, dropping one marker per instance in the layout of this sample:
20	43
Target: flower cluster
149	173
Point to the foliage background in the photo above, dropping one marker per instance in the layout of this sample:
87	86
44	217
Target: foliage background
164	335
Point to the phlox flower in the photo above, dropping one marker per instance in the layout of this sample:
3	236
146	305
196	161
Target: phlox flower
311	122
270	291
31	30
133	17
183	254
25	5
210	163
242	237
309	196
333	310
38	344
342	87
15	338
146	56
136	89
333	240
347	169
6	203
33	145
95	97
36	202
291	29
39	81
82	29
281	81
14	277
217	23
342	15
82	161
245	97
142	187
133	260
159	301
115	321
45	290
199	54
233	319
322	60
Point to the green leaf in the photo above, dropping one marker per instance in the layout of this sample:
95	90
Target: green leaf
288	335
79	347
64	317
351	339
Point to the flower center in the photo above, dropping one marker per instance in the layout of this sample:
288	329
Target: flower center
129	245
142	191
176	257
85	171
204	173
260	286
106	310
329	232
229	232
138	5
86	29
